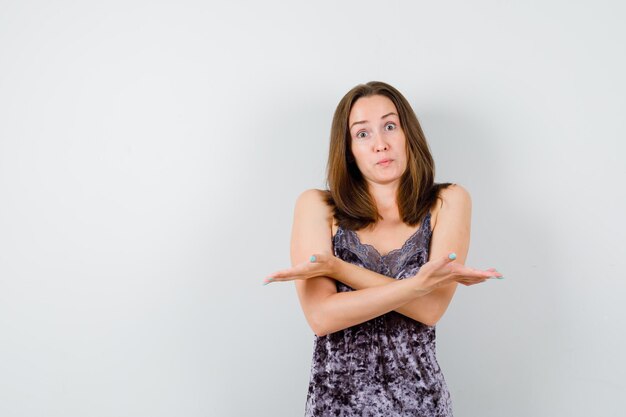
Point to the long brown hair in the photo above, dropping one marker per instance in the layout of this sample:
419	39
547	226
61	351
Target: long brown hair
347	192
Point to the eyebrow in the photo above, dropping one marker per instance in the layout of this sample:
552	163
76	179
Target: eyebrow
365	121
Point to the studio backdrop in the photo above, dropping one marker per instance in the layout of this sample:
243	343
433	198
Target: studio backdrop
150	158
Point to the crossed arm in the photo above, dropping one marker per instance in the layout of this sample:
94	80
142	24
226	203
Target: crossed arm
426	308
328	311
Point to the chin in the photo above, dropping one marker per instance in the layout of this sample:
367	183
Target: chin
388	179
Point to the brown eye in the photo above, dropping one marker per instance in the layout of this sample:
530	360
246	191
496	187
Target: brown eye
390	126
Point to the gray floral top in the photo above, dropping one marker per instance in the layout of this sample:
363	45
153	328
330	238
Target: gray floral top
385	366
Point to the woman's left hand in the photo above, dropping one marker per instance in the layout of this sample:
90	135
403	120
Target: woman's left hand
318	265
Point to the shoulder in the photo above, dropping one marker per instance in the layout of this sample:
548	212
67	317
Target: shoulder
313	198
314	202
454	196
453	201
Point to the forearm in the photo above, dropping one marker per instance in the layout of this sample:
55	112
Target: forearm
355	276
345	309
425	307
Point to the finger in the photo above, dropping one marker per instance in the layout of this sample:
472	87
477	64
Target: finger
477	273
269	280
280	276
449	258
285	273
303	270
318	258
297	270
467	273
494	274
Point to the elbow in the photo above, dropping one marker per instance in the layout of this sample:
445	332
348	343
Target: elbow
320	333
318	325
431	320
323	322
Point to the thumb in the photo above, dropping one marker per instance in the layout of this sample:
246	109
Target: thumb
451	257
444	260
320	257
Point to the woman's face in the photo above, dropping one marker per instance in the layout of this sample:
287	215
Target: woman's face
378	142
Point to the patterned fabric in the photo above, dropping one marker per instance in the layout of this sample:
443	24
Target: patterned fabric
387	365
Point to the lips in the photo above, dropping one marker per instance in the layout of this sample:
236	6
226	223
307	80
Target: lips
384	161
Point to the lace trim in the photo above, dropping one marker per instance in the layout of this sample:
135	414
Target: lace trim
343	238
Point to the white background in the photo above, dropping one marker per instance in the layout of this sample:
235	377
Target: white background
151	153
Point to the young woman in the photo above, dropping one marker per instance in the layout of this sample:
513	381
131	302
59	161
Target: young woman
376	260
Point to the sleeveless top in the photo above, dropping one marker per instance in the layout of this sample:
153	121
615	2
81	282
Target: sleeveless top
385	366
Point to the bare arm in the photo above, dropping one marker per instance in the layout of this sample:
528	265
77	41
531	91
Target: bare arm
325	309
451	234
328	311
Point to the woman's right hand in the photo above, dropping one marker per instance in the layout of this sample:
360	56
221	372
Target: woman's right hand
438	272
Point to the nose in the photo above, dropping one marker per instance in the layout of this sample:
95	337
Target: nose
380	144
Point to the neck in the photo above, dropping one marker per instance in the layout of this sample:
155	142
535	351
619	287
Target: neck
385	198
